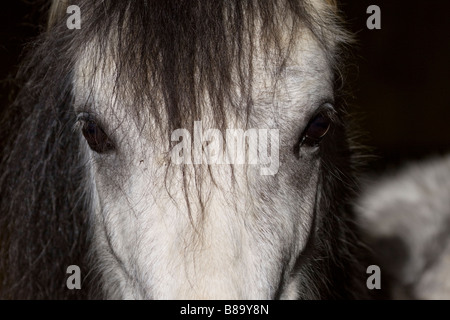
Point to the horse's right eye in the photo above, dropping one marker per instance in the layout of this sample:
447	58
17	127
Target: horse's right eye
96	137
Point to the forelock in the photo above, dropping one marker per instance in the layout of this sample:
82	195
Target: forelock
170	55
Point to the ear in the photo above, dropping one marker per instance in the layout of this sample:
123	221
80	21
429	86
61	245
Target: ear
57	11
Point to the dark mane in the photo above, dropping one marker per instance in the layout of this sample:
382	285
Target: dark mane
179	50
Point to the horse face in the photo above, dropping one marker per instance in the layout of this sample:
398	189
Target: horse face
169	227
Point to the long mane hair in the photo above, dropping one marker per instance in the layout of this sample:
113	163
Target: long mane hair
180	50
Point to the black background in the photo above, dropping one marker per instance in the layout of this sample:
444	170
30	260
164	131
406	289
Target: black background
400	81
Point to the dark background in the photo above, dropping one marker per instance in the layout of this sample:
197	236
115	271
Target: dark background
400	77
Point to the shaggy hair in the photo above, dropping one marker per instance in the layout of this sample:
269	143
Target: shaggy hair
181	51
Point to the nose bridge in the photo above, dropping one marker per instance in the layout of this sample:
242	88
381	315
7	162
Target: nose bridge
212	274
214	258
203	247
219	268
208	190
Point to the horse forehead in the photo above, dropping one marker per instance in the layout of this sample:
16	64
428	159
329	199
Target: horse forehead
306	70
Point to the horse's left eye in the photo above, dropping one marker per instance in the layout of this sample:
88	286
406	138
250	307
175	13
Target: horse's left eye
97	139
316	130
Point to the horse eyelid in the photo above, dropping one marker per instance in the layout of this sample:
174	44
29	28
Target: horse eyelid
326	107
89	117
85	116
